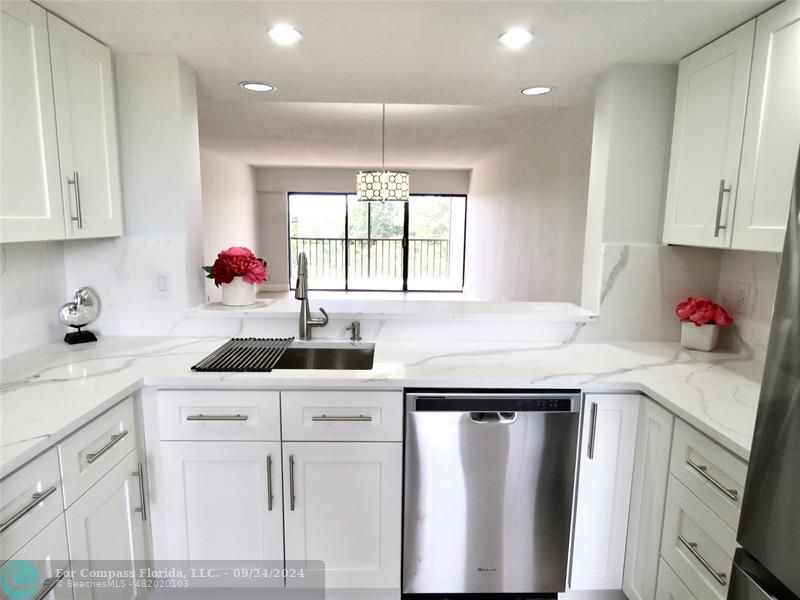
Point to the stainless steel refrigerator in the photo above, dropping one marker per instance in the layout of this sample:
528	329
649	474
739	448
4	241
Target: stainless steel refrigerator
768	564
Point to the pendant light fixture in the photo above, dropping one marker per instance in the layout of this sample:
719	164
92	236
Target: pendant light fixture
383	185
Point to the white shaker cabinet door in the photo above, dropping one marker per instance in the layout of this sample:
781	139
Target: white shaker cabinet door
87	132
30	189
107	524
771	133
221	501
342	503
648	497
707	141
608	444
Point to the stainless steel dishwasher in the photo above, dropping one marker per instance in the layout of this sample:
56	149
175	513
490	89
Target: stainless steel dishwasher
488	488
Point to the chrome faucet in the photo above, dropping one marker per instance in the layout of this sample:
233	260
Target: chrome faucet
301	293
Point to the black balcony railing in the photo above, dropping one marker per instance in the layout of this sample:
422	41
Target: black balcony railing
428	259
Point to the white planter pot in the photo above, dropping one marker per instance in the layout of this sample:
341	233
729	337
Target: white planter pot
703	338
238	293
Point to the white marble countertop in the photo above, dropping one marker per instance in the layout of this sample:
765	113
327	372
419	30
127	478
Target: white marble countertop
47	393
395	305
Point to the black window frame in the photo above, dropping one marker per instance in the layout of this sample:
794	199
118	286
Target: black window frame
405	245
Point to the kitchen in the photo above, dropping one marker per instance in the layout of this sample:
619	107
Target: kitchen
499	397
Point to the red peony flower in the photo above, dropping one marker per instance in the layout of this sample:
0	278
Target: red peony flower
221	272
702	310
256	271
237	261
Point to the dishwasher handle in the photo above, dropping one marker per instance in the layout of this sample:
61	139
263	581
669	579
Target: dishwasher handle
498	418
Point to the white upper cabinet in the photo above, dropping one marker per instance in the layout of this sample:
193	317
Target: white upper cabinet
771	133
59	165
707	141
30	190
87	132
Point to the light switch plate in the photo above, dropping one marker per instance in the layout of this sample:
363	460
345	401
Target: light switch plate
161	285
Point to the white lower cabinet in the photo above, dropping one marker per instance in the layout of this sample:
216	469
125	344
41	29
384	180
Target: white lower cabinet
106	528
45	559
222	501
608	444
343	507
648	497
669	586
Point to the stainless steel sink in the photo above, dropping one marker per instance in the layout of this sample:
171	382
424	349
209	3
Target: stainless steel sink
320	355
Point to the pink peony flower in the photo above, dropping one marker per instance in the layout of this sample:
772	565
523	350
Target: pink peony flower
256	271
702	310
237	261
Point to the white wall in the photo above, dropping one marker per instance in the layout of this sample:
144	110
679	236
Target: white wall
526	213
160	171
32	289
229	208
634	107
275	183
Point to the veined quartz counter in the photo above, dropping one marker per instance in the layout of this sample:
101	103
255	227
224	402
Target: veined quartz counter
47	393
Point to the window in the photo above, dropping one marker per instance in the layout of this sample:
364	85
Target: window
354	245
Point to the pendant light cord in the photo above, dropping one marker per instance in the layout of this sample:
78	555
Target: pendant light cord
383	138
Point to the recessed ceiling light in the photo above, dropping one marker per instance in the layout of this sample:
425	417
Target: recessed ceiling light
285	35
516	38
537	90
257	86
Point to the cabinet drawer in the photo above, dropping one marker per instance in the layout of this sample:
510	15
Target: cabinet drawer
697	544
712	473
342	416
219	415
29	499
49	553
92	451
669	586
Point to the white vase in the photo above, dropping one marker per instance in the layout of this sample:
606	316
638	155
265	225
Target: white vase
238	293
703	338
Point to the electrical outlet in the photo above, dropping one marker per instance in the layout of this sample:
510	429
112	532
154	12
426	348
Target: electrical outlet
741	298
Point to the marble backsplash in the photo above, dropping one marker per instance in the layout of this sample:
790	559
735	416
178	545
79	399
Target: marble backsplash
31	291
641	286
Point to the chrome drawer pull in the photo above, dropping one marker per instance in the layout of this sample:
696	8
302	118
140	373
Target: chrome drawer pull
93	456
49	584
343	418
592	431
721	578
291	482
217	418
36	500
702	470
269	482
139	472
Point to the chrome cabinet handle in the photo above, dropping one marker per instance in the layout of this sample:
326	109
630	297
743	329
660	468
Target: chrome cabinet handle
139	472
291	482
48	585
76	182
702	470
93	456
592	431
342	418
722	578
217	417
269	482
718	226
36	500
